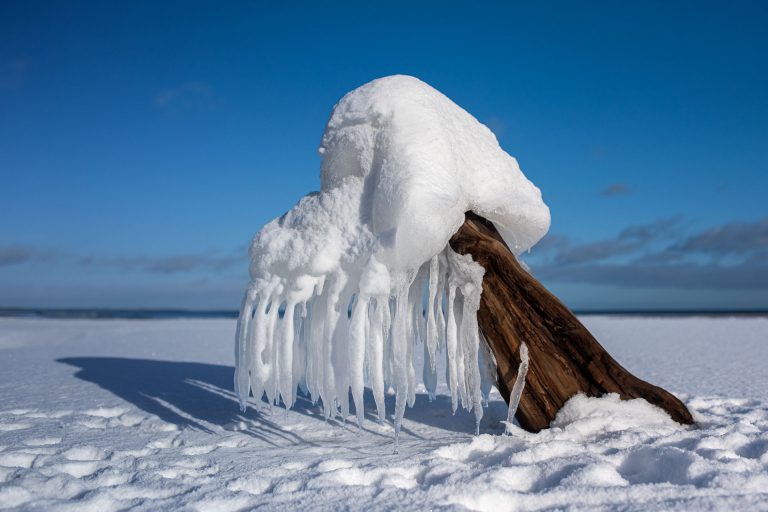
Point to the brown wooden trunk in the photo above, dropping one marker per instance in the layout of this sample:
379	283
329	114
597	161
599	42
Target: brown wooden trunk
565	359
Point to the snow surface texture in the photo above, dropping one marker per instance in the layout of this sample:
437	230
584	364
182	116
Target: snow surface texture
401	165
109	415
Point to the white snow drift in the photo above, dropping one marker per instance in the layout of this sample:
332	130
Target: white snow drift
401	165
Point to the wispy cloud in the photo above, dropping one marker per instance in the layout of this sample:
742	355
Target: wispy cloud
630	240
732	238
187	96
15	255
747	275
660	254
616	189
213	262
175	264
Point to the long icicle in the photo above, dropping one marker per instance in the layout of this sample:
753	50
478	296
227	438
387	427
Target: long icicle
357	355
400	340
300	348
416	330
287	387
243	348
471	347
340	355
257	334
451	348
517	388
376	354
429	375
270	351
460	352
431	341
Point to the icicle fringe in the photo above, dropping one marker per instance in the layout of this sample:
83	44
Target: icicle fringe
346	335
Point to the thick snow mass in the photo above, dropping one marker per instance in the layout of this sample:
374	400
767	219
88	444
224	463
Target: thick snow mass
425	162
401	164
140	415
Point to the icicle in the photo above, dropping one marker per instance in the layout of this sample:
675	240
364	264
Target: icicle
415	330
388	358
287	388
257	335
376	354
300	348
467	276
451	348
270	352
471	345
400	341
357	354
340	354
315	347
440	300
308	340
517	388
461	375
332	315
429	374
432	336
418	289
243	348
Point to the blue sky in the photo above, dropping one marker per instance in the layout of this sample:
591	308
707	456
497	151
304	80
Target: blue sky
143	143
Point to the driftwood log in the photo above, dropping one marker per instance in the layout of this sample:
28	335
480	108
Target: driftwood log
565	359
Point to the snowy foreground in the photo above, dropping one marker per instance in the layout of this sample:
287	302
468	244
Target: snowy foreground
106	415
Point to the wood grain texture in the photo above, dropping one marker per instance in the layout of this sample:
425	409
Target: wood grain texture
565	359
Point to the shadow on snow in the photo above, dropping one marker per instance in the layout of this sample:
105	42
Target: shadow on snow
200	396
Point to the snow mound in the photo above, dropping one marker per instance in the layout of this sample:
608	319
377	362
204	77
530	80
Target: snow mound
609	413
401	164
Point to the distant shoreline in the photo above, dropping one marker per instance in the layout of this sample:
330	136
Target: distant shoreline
125	314
167	314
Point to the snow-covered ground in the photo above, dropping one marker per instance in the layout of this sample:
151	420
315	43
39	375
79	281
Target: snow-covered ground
106	415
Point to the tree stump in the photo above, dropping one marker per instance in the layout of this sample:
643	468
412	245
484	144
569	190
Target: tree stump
565	359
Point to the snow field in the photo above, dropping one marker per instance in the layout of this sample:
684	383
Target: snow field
106	415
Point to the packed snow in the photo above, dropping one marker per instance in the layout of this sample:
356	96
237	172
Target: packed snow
107	415
401	164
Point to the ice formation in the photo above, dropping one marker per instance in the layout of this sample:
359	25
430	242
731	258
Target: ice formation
517	388
348	282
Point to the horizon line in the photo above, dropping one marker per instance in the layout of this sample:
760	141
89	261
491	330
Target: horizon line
192	313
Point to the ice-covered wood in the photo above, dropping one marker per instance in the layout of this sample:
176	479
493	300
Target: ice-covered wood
565	359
